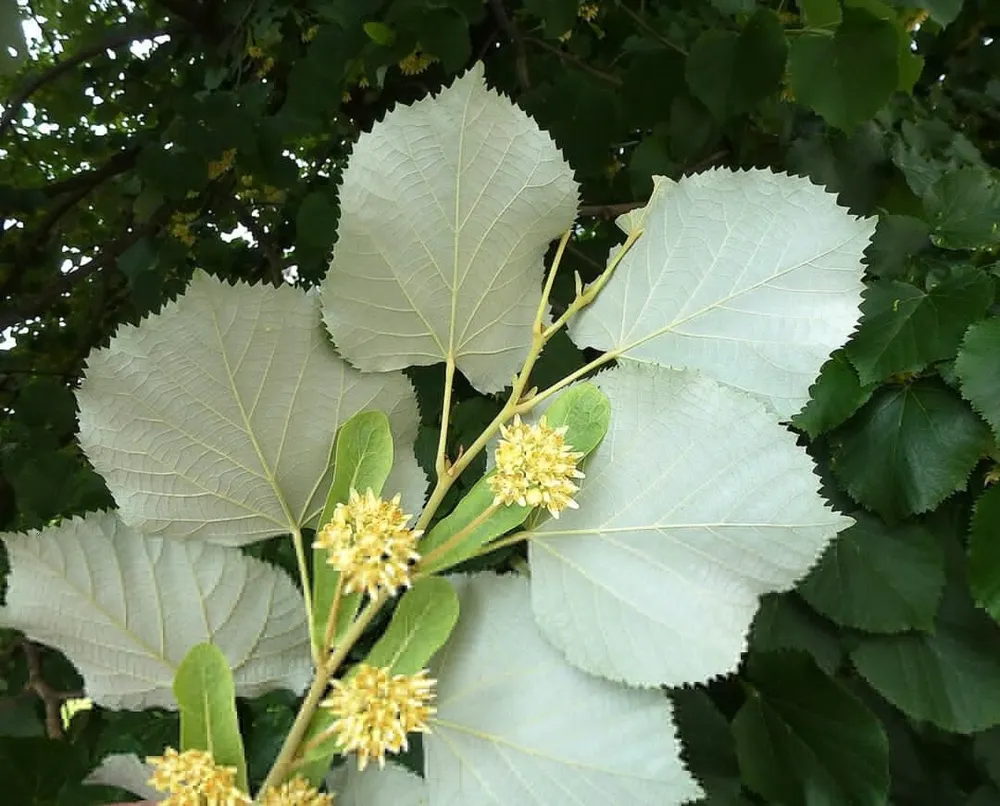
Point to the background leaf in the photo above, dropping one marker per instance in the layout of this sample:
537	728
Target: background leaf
105	586
978	369
802	739
909	449
984	551
879	578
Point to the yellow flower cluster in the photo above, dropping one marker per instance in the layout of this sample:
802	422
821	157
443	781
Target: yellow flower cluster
267	193
192	778
223	164
368	542
416	62
588	11
180	227
374	710
297	792
535	467
310	33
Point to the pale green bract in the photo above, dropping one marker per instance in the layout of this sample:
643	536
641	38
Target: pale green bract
752	277
446	211
696	503
216	418
125	609
517	725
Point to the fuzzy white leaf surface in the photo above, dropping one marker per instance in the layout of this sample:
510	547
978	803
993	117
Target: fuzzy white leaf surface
126	771
518	726
752	277
392	785
696	503
125	609
446	210
216	418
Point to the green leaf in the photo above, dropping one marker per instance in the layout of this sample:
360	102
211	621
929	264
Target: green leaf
802	739
362	461
948	677
784	622
696	503
879	578
424	619
751	277
585	411
516	724
984	551
820	13
908	449
558	16
709	750
734	6
105	588
315	224
910	64
906	328
444	32
203	686
11	36
835	396
448	207
215	418
380	33
846	78
978	369
732	72
963	207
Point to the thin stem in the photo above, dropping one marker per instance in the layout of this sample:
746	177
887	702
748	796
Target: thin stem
600	361
510	540
331	621
584	298
441	466
300	556
298	731
650	29
549	282
283	763
460	535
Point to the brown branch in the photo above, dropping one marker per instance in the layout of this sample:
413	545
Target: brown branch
521	60
609	210
576	61
271	252
50	697
13	315
116	40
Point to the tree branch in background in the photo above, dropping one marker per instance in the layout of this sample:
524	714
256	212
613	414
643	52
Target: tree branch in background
521	60
264	241
15	314
115	40
576	62
52	698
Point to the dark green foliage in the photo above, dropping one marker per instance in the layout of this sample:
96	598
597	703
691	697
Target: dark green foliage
866	685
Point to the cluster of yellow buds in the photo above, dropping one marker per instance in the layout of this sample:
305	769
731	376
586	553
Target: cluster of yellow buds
416	62
180	227
192	778
588	11
374	710
309	34
297	792
267	194
535	467
368	542
223	164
